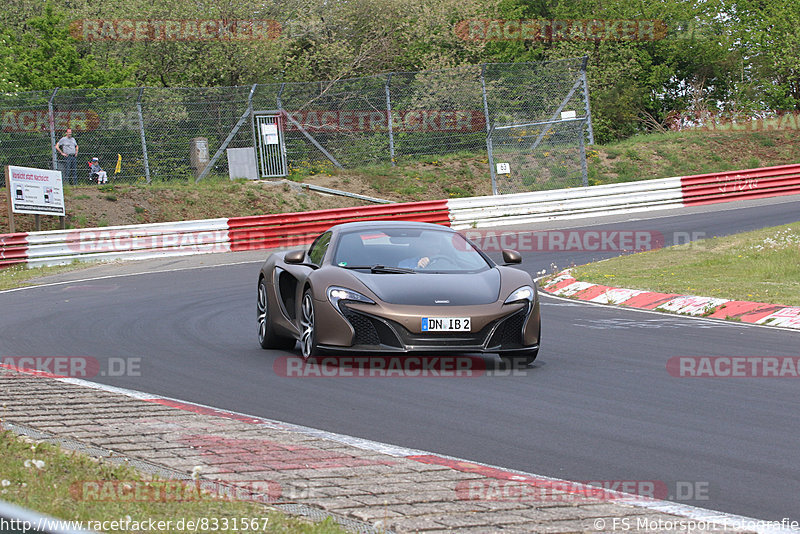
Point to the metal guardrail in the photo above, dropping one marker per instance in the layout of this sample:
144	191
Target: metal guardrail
297	229
741	185
155	240
17	520
564	203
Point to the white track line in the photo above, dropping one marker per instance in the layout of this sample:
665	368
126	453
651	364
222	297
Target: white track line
106	277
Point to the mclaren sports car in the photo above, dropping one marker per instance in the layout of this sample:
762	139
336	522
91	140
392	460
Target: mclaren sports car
397	287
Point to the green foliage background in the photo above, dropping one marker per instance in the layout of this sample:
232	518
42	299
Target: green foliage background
716	55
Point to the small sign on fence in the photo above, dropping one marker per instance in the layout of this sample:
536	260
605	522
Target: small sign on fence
503	168
270	133
34	191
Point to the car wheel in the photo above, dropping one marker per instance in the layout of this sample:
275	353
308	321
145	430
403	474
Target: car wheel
308	334
266	332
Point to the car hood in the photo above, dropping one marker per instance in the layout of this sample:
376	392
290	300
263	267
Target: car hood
425	289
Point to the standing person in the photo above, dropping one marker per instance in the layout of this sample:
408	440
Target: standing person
67	146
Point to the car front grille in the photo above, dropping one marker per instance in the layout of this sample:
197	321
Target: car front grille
443	339
374	331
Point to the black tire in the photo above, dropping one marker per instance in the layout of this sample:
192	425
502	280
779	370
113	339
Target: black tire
308	332
267	337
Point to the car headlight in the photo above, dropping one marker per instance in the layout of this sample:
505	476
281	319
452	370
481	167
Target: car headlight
523	294
335	294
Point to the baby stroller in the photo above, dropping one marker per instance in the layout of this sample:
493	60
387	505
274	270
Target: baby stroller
96	173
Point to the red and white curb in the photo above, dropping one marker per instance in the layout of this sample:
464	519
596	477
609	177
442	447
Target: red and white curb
698	515
760	313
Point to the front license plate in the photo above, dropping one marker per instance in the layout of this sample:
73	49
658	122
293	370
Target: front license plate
446	324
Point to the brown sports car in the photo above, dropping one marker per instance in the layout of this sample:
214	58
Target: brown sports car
383	286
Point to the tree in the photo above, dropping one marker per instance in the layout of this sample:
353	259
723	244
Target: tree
46	56
770	42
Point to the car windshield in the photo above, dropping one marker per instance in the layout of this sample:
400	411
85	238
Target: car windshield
408	249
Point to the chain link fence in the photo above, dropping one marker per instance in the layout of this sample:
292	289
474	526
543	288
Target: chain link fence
540	122
510	112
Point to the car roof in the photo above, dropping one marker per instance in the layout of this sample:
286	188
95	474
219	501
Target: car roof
377	225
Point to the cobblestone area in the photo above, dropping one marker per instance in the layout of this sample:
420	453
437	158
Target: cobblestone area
393	492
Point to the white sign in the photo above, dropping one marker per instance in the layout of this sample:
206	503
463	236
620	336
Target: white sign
270	133
503	168
36	191
565	115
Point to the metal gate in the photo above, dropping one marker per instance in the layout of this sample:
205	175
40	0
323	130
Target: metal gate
537	129
268	128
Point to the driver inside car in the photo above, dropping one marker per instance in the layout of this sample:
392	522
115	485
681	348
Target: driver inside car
421	260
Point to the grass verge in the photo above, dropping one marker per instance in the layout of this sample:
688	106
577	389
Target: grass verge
20	275
44	478
760	266
454	175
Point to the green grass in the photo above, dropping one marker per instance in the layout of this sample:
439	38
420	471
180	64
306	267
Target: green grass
663	155
56	487
439	176
761	266
20	275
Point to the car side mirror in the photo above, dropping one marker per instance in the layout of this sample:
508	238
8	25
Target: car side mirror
511	257
295	257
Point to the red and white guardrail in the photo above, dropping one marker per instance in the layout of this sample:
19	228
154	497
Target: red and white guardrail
628	197
296	229
145	241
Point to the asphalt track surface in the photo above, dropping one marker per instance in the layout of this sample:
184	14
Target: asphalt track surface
598	404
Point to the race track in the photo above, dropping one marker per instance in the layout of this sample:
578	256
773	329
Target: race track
598	404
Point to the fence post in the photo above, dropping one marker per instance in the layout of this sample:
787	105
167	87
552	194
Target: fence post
141	133
253	123
488	129
282	125
389	117
278	97
52	120
586	100
584	169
